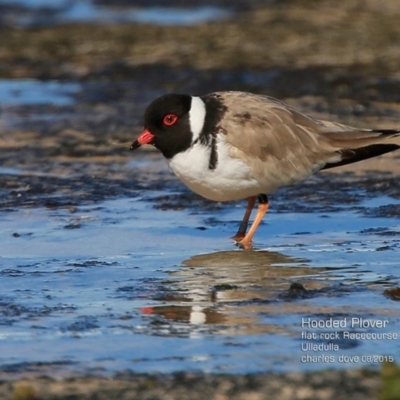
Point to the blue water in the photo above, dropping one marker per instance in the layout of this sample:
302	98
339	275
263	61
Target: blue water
135	288
69	11
35	92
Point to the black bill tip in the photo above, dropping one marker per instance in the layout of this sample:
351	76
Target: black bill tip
135	145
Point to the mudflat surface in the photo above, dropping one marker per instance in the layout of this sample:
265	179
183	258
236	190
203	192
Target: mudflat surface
117	281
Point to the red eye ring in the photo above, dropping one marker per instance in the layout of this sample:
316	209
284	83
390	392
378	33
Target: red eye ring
170	119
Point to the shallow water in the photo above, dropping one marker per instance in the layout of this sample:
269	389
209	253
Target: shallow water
33	92
121	285
67	11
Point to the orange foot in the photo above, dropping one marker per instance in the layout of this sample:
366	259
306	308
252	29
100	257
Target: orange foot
245	244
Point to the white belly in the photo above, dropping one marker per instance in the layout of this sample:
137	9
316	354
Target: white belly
232	179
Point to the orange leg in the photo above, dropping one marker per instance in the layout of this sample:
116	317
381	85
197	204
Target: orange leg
246	242
241	233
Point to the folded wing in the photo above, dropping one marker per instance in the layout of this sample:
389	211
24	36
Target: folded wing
268	130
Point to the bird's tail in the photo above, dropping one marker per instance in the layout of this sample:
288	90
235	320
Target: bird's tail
360	145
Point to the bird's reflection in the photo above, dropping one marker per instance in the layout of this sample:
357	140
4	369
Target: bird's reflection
231	288
241	276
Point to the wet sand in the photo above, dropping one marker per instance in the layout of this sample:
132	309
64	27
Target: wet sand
329	385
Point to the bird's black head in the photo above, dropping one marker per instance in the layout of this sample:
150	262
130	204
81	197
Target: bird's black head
167	125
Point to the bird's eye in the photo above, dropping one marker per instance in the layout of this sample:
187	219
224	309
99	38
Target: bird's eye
170	119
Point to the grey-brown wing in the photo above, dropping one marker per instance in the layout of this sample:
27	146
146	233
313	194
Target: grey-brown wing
265	128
